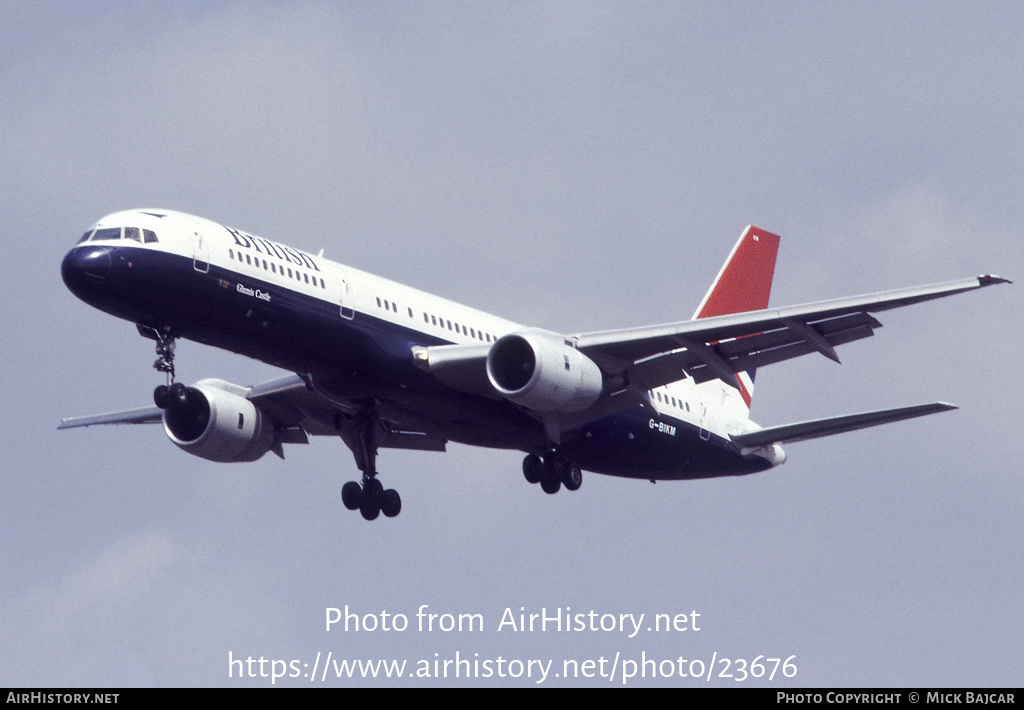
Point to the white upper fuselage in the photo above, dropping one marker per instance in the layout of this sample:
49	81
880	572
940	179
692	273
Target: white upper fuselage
710	407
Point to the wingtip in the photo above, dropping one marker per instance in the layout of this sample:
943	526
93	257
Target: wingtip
990	279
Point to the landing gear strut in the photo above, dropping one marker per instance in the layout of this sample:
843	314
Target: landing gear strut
165	357
552	472
369	496
165	341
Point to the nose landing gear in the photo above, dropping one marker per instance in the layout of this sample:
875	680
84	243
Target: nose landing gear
164	395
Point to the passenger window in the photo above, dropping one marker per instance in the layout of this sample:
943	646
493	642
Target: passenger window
306	277
112	233
248	260
149	236
433	319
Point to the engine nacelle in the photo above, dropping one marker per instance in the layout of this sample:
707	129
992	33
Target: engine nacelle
214	420
537	369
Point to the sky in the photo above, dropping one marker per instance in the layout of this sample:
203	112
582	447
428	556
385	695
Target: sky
575	166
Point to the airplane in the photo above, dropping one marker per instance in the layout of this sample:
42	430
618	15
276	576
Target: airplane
383	365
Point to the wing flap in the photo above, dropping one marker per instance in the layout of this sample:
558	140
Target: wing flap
816	428
743	354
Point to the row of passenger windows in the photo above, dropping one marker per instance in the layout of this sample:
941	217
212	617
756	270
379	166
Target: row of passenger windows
276	269
678	404
109	233
438	322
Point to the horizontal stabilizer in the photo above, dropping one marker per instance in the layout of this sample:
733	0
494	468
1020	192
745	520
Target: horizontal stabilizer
788	433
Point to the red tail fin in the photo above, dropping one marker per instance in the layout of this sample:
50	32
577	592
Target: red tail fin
743	284
745	281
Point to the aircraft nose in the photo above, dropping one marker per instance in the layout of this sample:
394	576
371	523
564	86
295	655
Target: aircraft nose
85	268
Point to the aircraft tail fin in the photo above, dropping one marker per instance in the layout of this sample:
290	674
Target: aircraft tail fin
745	281
743	284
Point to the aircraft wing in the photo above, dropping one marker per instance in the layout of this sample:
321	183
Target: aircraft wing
816	428
297	408
142	415
720	346
635	360
293	401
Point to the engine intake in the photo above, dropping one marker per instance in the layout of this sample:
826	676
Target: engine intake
213	420
537	369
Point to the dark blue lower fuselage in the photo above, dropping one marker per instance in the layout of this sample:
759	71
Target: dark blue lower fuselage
367	358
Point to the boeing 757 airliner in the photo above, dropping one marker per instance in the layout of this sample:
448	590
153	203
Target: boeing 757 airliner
383	365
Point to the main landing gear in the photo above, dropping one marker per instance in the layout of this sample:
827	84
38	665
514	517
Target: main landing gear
552	472
369	496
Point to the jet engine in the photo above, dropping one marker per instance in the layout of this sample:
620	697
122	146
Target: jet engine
214	420
542	371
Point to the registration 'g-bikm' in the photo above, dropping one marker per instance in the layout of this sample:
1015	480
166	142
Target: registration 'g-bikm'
383	365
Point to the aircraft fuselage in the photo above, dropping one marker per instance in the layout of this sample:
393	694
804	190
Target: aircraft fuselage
351	334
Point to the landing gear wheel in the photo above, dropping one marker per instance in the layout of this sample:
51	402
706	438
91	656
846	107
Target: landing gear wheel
373	496
533	468
550	485
572	477
351	495
370	509
551	481
391	503
177	394
160	398
373	489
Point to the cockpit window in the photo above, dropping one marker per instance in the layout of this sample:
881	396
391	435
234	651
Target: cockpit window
112	233
84	237
149	235
132	233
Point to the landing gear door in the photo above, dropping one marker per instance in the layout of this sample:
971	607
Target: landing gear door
343	292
